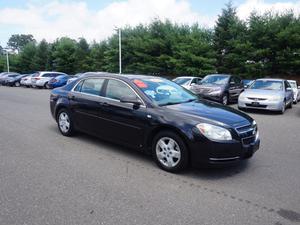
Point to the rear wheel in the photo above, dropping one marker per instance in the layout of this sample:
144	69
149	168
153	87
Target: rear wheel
170	152
46	85
17	84
65	123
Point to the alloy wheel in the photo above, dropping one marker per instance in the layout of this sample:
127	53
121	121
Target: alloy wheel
168	152
64	122
225	100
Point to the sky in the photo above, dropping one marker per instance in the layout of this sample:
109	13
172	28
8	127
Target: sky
98	19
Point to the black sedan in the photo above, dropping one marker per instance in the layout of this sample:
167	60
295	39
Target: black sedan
157	116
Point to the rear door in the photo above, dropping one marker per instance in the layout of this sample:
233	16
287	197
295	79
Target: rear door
235	87
288	93
86	105
123	123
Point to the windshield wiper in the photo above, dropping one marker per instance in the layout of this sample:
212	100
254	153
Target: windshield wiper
175	103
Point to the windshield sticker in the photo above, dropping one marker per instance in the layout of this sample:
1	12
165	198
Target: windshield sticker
140	83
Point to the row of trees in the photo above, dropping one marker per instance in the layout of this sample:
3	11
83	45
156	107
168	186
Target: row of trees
263	45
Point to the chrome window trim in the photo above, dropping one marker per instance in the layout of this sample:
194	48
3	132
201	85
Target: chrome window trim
108	78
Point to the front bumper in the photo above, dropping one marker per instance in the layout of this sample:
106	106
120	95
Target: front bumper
216	98
218	153
261	104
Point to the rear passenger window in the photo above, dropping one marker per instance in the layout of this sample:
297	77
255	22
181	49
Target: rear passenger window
91	86
117	89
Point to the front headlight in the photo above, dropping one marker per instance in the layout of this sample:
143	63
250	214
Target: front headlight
214	133
276	98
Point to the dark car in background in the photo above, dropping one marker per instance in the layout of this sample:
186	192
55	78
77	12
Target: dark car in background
15	80
58	81
4	77
157	116
221	88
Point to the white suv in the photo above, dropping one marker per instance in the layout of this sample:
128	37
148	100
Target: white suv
41	79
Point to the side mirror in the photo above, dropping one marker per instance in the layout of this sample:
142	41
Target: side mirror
231	83
289	89
298	87
135	101
193	84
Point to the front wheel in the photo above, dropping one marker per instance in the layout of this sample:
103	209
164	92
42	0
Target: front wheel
65	123
283	108
224	99
170	152
17	84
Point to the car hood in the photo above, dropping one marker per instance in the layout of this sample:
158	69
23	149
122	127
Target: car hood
256	93
206	110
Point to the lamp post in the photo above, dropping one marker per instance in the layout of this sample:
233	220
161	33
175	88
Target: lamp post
7	58
120	49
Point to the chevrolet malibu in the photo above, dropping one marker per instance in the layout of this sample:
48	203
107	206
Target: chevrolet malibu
267	94
156	116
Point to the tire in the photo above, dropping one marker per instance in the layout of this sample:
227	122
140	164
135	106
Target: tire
17	84
170	156
283	108
46	85
225	99
65	123
291	104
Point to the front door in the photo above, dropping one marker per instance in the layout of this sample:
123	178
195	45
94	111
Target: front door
124	122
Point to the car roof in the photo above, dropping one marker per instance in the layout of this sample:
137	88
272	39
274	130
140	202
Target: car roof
219	74
119	76
271	79
187	77
292	81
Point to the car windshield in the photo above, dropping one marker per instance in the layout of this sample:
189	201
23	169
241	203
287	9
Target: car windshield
215	79
164	92
267	85
181	80
293	84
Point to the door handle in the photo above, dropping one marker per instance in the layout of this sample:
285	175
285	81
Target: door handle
103	104
71	97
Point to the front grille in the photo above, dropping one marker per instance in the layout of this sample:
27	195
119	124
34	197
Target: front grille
256	106
247	133
257	99
248	140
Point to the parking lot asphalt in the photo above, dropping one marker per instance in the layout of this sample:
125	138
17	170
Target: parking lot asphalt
46	178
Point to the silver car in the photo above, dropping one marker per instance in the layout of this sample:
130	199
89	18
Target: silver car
268	94
187	82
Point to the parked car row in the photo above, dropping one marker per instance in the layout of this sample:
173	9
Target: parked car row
267	94
42	79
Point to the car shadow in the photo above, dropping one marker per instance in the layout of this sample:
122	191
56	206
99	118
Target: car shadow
135	157
260	111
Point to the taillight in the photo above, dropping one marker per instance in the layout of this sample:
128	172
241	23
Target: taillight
54	80
37	78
